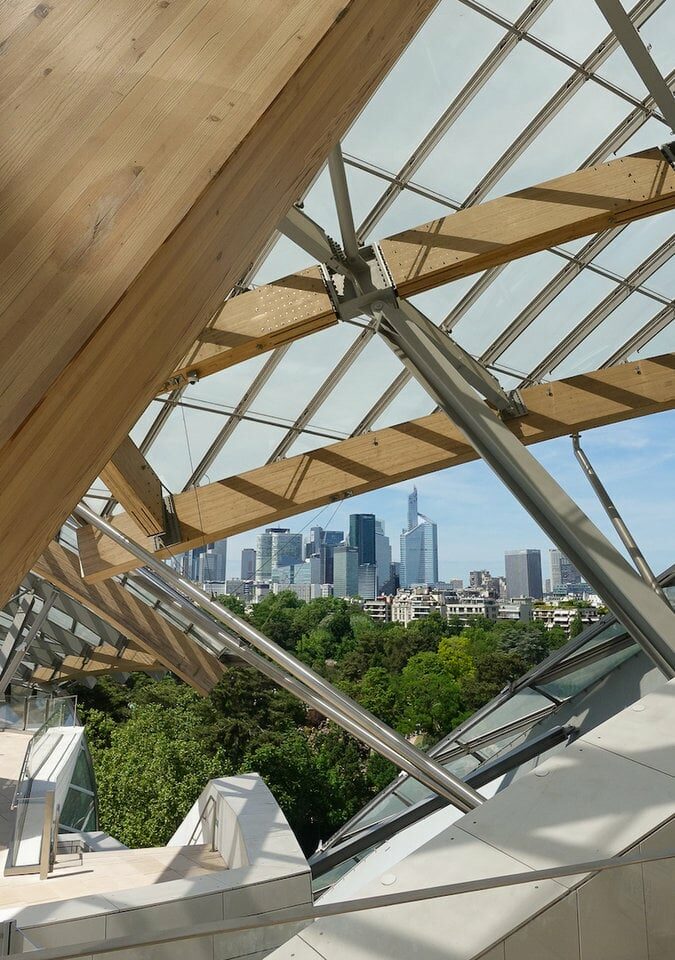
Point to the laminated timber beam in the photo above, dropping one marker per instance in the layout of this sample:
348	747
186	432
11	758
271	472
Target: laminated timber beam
103	659
378	459
137	621
149	151
134	483
463	243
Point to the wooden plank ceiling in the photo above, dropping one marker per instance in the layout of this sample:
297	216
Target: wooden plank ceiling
149	149
378	459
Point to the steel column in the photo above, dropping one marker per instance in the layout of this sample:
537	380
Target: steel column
421	345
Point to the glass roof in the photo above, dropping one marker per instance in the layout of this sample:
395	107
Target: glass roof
487	99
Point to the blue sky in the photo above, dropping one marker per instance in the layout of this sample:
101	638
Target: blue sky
478	519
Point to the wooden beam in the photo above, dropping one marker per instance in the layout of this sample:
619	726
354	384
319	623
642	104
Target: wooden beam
103	659
134	483
149	151
435	253
378	459
131	617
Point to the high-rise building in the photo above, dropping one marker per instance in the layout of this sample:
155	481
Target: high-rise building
523	573
412	509
345	571
382	555
362	536
419	548
248	556
368	581
207	564
277	550
563	572
321	543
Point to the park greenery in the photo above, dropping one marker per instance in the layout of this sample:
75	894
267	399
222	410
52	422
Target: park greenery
156	743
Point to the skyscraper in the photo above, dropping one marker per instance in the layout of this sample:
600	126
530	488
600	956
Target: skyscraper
412	509
523	573
362	536
382	555
367	583
563	572
321	543
206	564
345	571
419	547
248	556
277	550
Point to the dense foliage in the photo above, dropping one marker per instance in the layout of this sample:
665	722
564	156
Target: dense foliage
156	743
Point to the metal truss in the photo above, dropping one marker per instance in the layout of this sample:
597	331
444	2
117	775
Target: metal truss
575	263
643	336
514	32
608	305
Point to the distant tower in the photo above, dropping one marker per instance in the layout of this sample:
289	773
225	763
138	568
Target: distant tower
248	556
362	536
523	573
419	547
412	509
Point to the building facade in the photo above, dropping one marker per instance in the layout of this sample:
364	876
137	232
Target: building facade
523	573
345	571
563	572
419	548
248	556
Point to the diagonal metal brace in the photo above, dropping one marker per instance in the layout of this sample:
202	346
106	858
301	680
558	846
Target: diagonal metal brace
301	229
471	370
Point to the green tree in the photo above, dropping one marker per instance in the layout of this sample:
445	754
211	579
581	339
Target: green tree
576	625
455	652
154	769
233	603
430	696
378	693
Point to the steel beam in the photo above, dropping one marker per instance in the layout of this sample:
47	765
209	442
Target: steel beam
565	347
415	339
643	336
16	645
617	520
639	56
304	682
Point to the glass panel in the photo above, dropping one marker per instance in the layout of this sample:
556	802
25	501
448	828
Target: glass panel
77	809
480	135
83	775
390	805
519	706
491	750
572	684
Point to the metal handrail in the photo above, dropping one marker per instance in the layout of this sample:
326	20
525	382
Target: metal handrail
203	816
319	911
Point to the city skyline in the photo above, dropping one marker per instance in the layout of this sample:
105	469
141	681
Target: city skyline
478	520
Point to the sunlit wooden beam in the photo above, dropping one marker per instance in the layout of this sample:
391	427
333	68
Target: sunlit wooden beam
134	619
378	459
148	152
432	254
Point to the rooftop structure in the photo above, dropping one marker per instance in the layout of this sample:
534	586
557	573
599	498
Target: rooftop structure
470	209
